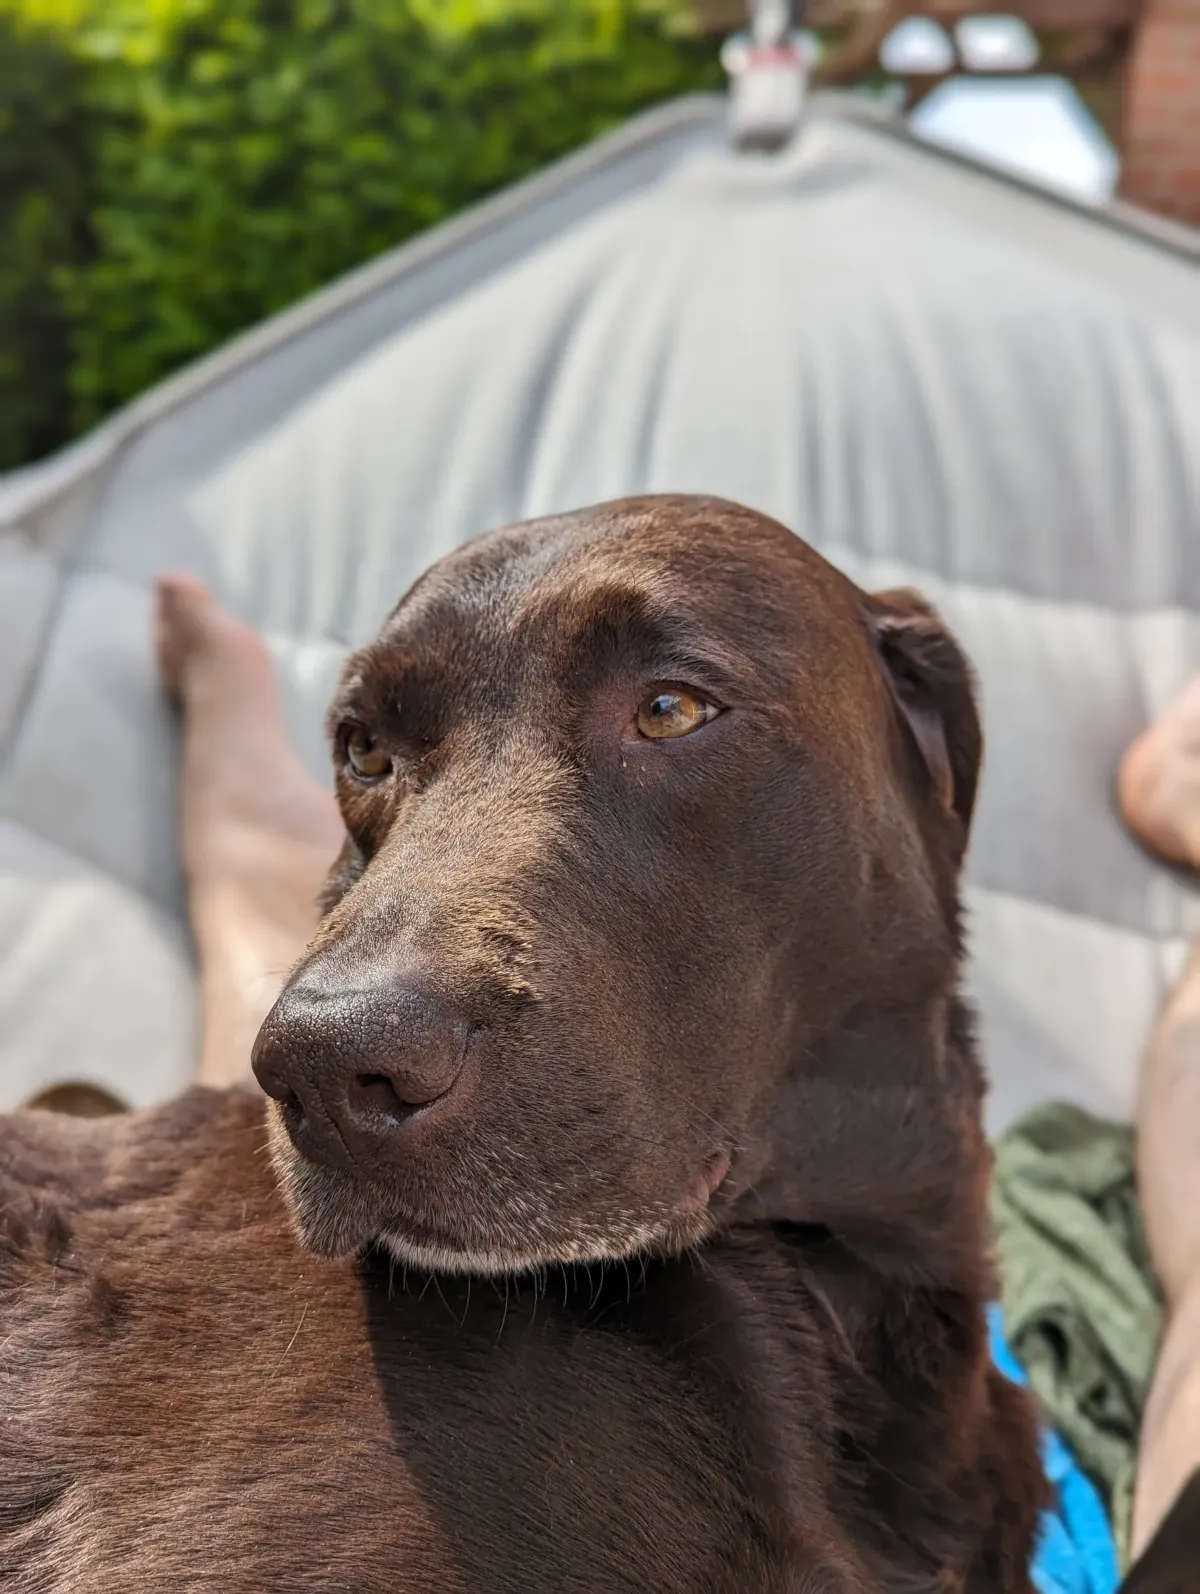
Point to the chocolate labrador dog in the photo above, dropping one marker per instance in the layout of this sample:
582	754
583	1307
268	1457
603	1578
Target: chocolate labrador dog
617	1221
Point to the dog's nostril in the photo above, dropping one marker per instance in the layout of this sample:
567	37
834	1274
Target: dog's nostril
292	1106
377	1094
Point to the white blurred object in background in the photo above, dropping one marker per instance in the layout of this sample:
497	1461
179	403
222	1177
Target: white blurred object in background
996	44
768	68
1036	127
917	47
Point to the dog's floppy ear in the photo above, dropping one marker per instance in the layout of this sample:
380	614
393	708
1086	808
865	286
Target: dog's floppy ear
932	685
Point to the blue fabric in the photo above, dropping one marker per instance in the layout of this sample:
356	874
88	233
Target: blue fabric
1076	1552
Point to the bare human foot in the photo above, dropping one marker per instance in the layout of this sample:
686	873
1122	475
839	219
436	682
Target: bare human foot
1159	782
258	833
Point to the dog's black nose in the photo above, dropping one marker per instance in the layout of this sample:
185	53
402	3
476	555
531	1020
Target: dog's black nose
354	1068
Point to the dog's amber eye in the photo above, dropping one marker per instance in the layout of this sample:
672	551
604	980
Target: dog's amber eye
365	756
673	713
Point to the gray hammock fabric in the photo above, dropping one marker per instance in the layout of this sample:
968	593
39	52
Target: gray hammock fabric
937	375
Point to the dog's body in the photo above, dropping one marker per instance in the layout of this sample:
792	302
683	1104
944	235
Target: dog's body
653	1052
191	1402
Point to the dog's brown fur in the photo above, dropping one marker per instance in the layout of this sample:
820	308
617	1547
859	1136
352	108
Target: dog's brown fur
738	951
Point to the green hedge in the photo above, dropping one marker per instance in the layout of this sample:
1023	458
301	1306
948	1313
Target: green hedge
45	206
197	164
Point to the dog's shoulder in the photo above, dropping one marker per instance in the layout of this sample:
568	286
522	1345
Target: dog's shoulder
65	1182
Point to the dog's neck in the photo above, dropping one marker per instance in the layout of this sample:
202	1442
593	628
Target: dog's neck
888	1109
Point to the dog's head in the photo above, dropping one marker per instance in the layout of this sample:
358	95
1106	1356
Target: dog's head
647	909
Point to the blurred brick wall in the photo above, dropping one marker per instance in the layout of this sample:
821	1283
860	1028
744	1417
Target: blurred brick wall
1161	115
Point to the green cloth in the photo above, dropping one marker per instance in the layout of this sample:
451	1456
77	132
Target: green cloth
1082	1310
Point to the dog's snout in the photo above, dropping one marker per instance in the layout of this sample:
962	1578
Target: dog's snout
354	1068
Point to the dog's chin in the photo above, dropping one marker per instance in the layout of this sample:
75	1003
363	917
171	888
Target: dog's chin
497	1256
337	1215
